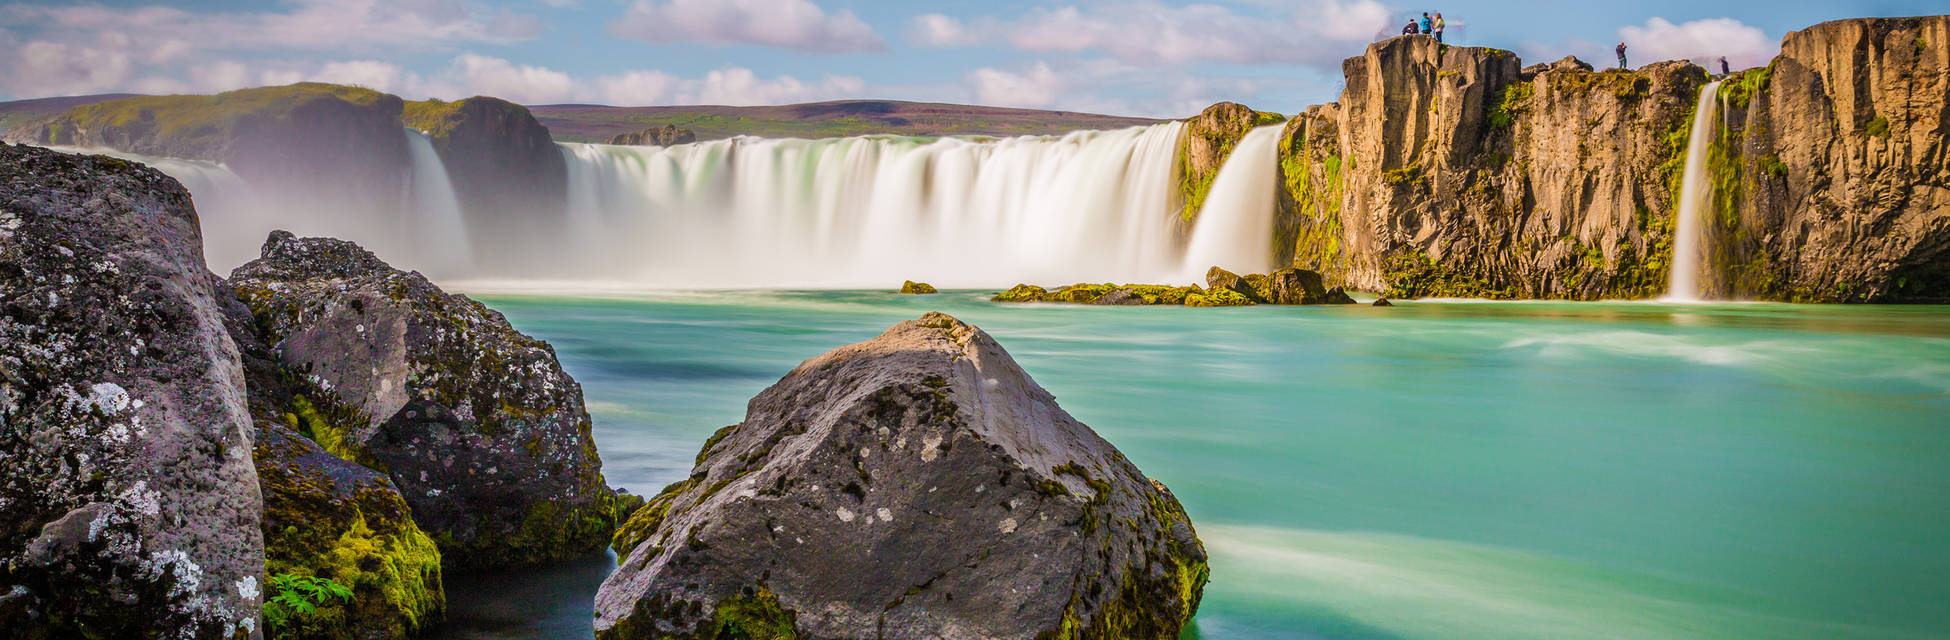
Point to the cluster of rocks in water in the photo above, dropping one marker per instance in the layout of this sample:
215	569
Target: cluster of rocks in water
305	449
1289	286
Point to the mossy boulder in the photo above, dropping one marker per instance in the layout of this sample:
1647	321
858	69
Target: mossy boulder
476	424
1021	293
1218	298
330	520
917	485
917	288
128	504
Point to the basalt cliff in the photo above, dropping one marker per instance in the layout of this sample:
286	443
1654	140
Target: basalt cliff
1458	171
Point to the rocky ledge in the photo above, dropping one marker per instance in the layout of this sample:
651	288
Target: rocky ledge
1222	289
663	136
917	485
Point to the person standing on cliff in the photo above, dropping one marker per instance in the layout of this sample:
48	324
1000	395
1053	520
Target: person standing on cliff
1723	67
1438	26
1621	55
1426	24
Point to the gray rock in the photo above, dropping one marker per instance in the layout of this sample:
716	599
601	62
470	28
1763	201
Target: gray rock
663	136
128	501
477	424
917	485
1120	297
1383	302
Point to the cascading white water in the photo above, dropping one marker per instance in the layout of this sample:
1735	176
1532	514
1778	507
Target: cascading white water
1695	198
1234	223
1088	206
434	221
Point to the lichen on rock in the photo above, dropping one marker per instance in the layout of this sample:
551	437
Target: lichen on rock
476	424
128	502
919	484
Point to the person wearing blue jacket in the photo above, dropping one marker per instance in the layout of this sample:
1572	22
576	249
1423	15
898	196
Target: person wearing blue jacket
1428	25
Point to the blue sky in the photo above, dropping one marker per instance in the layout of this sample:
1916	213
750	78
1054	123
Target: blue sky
1142	57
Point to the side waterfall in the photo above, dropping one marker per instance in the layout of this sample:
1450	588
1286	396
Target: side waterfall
1695	198
434	222
1235	224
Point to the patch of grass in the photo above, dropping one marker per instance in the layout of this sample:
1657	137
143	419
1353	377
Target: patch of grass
1878	127
1516	99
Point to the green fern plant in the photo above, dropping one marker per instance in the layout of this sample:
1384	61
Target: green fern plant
295	596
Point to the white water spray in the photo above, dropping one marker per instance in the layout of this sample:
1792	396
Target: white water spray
748	212
433	220
1236	222
1695	198
1090	206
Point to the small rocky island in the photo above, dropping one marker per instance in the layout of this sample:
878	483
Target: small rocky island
1289	286
916	485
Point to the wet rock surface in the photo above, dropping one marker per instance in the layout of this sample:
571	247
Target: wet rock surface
476	424
919	484
128	501
917	288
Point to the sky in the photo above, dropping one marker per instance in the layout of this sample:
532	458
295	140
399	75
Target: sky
1157	58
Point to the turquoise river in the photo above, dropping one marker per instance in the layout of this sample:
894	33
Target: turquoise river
1429	470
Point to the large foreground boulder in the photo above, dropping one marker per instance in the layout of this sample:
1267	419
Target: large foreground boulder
917	485
476	424
128	502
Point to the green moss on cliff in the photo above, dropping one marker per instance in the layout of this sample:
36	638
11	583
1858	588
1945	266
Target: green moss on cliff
203	124
1416	275
434	116
1739	90
1516	99
1878	127
1316	193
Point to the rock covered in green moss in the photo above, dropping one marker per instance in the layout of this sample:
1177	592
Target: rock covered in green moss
128	502
917	485
917	288
327	519
477	424
1209	139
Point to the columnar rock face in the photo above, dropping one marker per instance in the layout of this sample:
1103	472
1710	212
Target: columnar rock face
128	501
917	485
477	424
1450	171
1832	168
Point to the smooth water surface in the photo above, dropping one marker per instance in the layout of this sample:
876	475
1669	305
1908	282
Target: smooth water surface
1429	470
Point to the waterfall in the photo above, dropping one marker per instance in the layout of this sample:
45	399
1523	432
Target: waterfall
861	212
1236	221
434	223
1695	198
1089	206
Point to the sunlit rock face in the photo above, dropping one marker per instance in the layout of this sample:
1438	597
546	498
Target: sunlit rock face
917	485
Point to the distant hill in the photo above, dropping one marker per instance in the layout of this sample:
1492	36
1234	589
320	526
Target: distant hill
21	110
595	123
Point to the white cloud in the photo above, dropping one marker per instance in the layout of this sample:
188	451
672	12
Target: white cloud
937	30
1149	32
81	48
1702	41
738	86
791	24
1037	86
522	84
